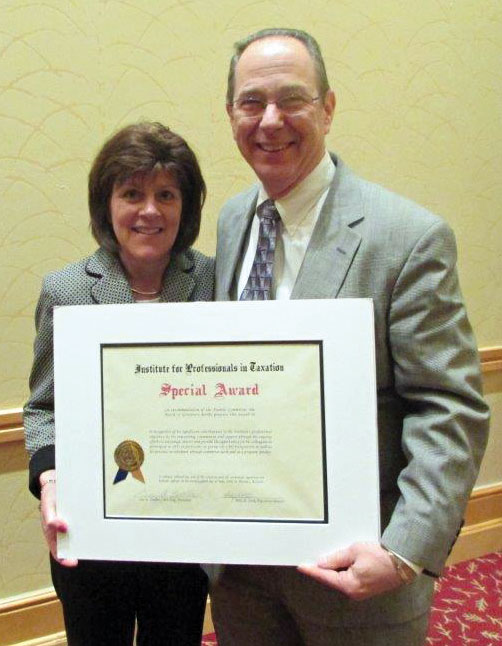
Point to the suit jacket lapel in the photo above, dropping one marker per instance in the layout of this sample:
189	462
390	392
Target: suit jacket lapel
334	242
111	284
230	245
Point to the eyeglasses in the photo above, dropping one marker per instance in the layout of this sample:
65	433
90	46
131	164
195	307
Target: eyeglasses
290	104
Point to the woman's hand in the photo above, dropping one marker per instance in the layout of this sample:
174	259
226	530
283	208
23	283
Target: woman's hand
51	524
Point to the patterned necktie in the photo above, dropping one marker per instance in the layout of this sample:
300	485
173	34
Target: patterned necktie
260	277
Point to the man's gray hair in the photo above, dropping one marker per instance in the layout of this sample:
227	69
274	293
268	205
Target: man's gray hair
309	41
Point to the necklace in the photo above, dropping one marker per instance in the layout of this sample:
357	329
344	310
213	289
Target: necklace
137	291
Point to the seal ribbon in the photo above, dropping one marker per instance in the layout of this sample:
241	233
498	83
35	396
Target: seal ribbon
129	456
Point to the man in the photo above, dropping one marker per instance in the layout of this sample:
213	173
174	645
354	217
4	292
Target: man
326	233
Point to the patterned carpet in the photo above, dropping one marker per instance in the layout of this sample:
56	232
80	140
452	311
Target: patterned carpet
467	608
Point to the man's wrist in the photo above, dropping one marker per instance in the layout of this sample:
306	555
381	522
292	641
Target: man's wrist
406	572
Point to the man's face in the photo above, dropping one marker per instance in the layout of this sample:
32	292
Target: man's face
281	148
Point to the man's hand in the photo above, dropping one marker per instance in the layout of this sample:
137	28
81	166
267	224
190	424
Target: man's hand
51	524
360	571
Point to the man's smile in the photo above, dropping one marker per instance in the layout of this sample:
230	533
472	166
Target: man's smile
273	148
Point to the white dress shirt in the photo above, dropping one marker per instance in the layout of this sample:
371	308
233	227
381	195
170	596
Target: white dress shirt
299	211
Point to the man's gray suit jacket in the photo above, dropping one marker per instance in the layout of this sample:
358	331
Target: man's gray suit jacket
432	420
97	279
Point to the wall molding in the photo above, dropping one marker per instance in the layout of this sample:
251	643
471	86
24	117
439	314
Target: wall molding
491	358
11	425
482	532
57	639
34	620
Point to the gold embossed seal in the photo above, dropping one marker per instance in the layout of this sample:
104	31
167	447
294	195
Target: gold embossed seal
129	457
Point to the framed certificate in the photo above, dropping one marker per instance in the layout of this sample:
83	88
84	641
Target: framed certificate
213	438
192	432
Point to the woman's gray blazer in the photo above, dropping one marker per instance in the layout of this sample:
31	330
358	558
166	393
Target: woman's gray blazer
97	279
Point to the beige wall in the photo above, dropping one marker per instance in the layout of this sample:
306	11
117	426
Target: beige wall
419	110
23	557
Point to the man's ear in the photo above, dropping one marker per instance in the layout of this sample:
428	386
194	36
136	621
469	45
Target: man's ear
329	110
230	112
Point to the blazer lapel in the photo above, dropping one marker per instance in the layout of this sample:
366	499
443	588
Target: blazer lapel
111	285
230	245
178	279
334	242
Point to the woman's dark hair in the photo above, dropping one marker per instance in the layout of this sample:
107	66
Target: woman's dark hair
145	147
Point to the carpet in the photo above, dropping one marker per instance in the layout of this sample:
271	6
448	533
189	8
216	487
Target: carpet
467	606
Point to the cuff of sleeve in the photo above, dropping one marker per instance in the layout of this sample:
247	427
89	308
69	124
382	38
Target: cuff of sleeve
418	569
42	460
417	542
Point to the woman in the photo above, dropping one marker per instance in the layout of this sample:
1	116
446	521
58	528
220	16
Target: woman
146	193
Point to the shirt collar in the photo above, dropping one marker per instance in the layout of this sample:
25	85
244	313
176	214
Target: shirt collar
299	202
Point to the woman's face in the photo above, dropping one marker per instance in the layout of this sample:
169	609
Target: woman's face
145	213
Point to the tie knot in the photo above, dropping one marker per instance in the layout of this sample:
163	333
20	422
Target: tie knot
267	211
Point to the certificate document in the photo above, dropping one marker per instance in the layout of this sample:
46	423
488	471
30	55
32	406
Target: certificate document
204	429
192	432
